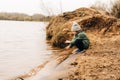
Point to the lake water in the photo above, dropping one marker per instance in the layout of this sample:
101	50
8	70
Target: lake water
22	47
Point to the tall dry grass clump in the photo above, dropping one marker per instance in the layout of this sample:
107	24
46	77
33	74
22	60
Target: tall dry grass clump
91	20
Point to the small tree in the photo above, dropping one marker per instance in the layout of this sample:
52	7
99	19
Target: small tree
49	9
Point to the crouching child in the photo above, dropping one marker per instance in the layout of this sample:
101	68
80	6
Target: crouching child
80	39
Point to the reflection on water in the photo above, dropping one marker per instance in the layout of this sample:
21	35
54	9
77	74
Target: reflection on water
22	47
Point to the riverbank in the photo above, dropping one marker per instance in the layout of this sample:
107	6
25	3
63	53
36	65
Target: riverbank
101	61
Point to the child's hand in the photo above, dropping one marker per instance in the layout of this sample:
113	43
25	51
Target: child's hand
67	41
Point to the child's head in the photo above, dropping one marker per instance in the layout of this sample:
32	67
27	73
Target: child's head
75	27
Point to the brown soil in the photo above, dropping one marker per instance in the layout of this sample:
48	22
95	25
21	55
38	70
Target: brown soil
101	61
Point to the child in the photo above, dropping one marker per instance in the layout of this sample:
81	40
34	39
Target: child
80	39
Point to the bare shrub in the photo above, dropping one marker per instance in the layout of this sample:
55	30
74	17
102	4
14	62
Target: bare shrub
110	6
105	5
116	9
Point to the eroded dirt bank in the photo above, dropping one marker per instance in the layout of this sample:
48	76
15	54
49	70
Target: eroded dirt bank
101	61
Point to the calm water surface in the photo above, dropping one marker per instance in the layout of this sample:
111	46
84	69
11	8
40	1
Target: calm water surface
22	47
